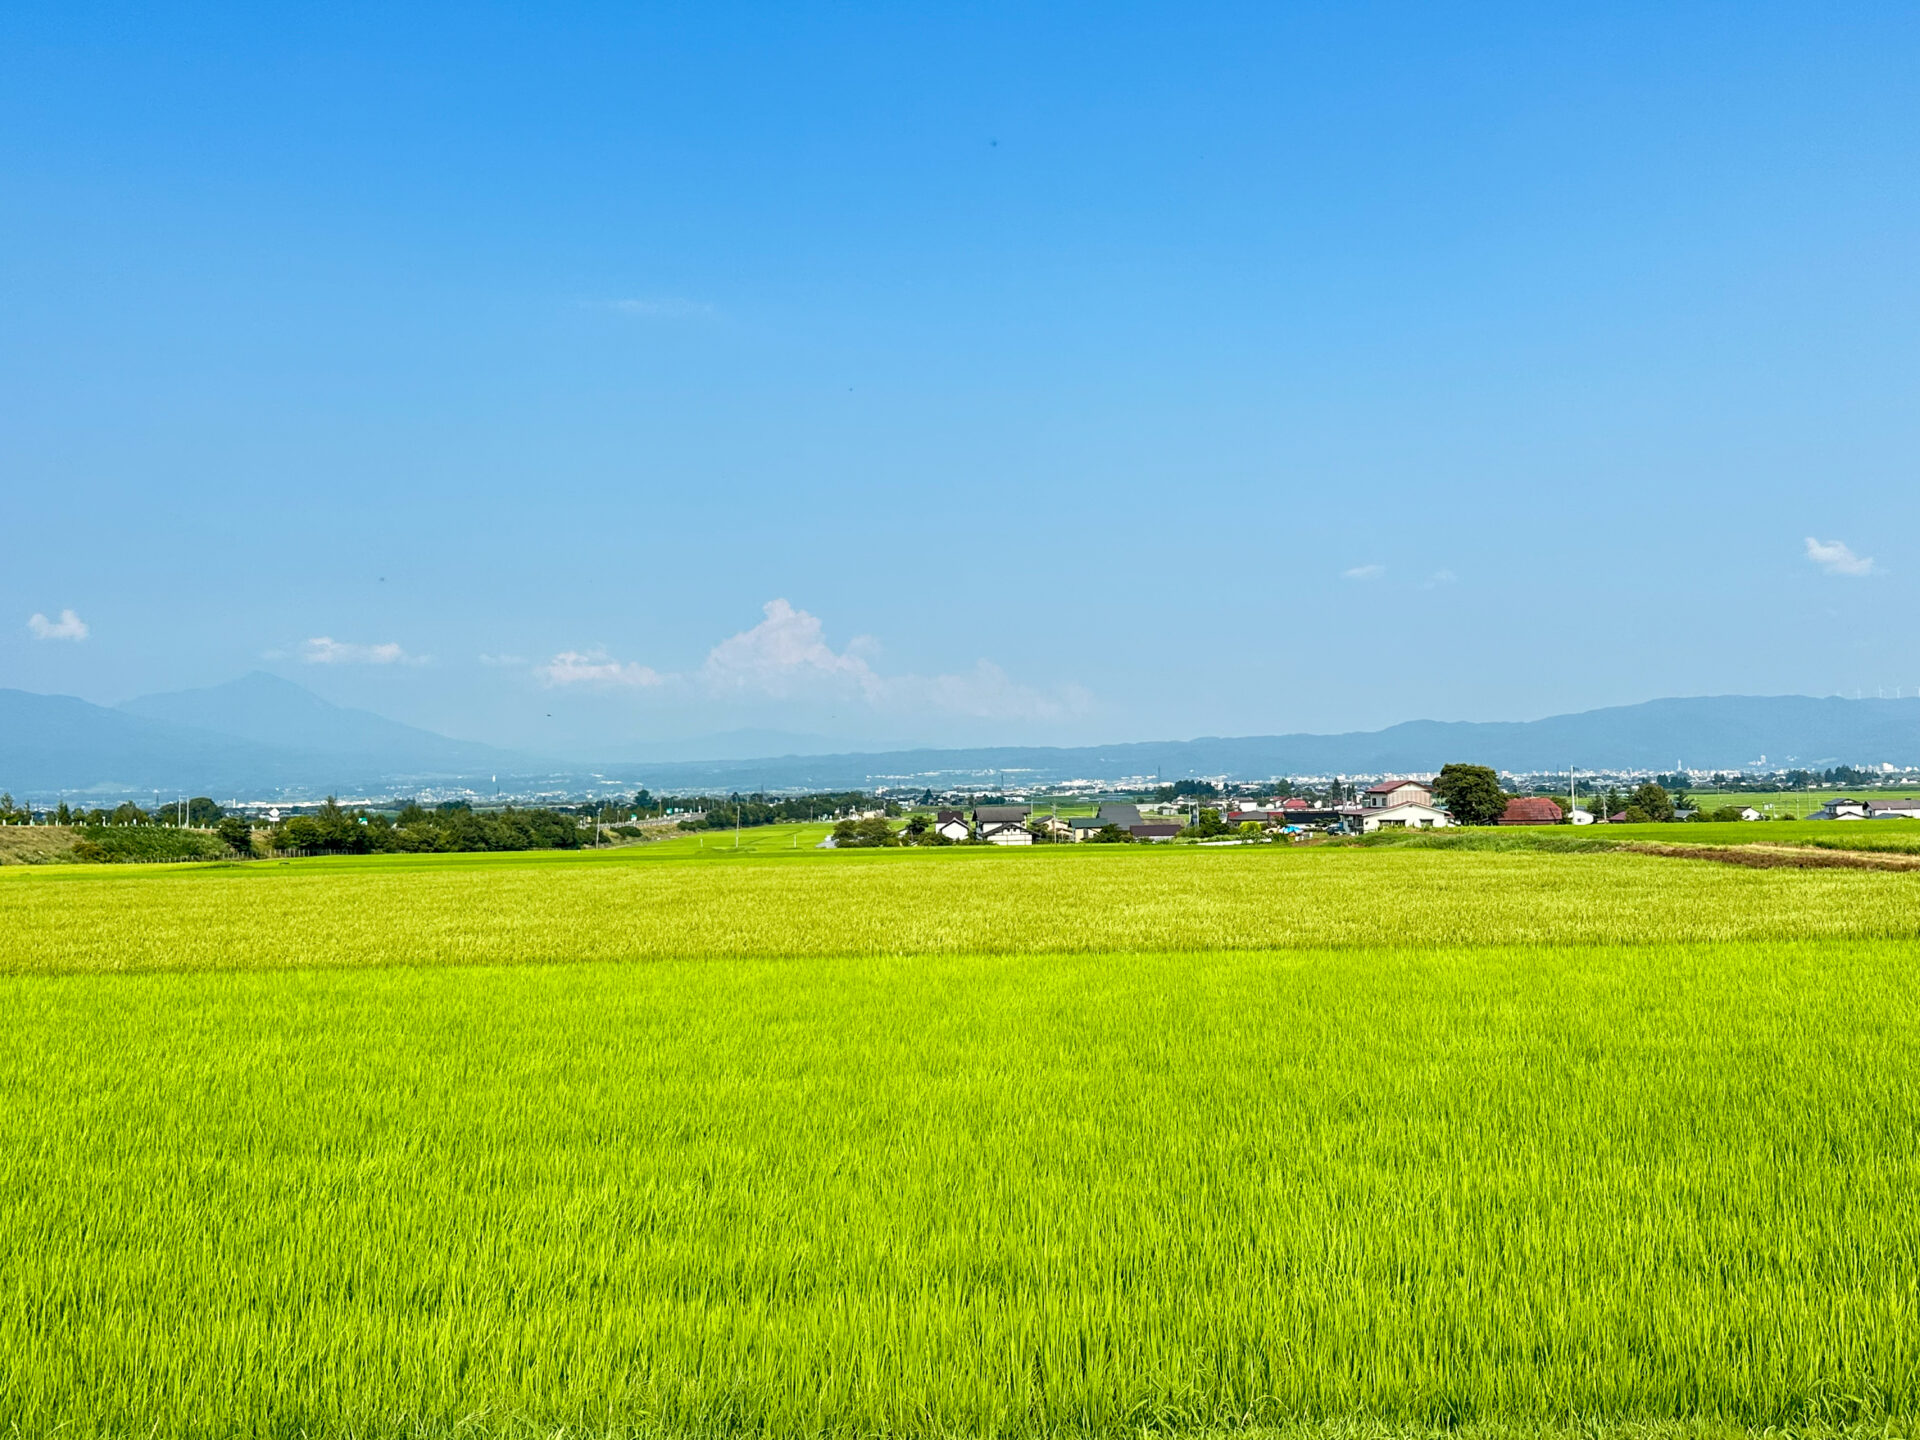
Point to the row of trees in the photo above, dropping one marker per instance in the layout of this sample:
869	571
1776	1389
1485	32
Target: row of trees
746	811
333	830
1838	775
199	812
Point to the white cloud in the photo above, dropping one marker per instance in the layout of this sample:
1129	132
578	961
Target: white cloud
1834	557
594	667
786	650
325	650
787	654
1364	572
668	307
985	692
503	661
68	627
786	657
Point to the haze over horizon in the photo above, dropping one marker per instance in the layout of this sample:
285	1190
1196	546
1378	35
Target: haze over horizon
595	380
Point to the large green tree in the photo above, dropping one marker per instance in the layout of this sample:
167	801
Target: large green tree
1207	826
1654	800
1472	794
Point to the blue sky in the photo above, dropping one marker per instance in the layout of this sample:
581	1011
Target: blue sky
583	377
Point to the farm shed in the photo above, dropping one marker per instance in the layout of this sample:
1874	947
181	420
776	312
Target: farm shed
1532	810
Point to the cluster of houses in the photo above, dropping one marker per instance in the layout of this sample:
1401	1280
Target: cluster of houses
1400	804
1405	803
995	824
1016	824
1392	804
1905	807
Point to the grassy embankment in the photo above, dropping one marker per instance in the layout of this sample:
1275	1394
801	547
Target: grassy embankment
1084	1139
1899	837
105	844
35	845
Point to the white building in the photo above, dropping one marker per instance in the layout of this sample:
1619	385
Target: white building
1391	793
1003	824
1409	815
1405	804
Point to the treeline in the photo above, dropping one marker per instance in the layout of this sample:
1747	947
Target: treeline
1838	775
746	811
199	813
133	844
333	830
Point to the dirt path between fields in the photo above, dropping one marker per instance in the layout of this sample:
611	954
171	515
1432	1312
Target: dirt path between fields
1775	857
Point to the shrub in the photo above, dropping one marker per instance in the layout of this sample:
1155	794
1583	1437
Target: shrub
864	834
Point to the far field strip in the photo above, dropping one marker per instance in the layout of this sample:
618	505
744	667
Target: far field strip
626	907
1764	857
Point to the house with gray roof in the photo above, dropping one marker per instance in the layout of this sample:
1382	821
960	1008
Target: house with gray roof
1002	824
1120	815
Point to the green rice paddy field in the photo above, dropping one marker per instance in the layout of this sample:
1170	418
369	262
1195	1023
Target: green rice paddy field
676	1140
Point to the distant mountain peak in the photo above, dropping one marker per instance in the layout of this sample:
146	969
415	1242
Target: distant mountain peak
268	709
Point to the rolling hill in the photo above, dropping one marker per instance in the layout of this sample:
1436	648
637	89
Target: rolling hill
262	736
266	710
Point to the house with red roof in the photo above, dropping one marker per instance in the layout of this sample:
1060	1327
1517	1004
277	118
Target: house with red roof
1532	810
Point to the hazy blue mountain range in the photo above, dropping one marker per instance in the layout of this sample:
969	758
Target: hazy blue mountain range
255	735
270	711
1722	732
261	736
54	743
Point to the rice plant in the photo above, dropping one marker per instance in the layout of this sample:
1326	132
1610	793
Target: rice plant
1364	1142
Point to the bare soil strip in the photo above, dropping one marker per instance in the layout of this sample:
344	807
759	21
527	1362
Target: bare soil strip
1775	857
